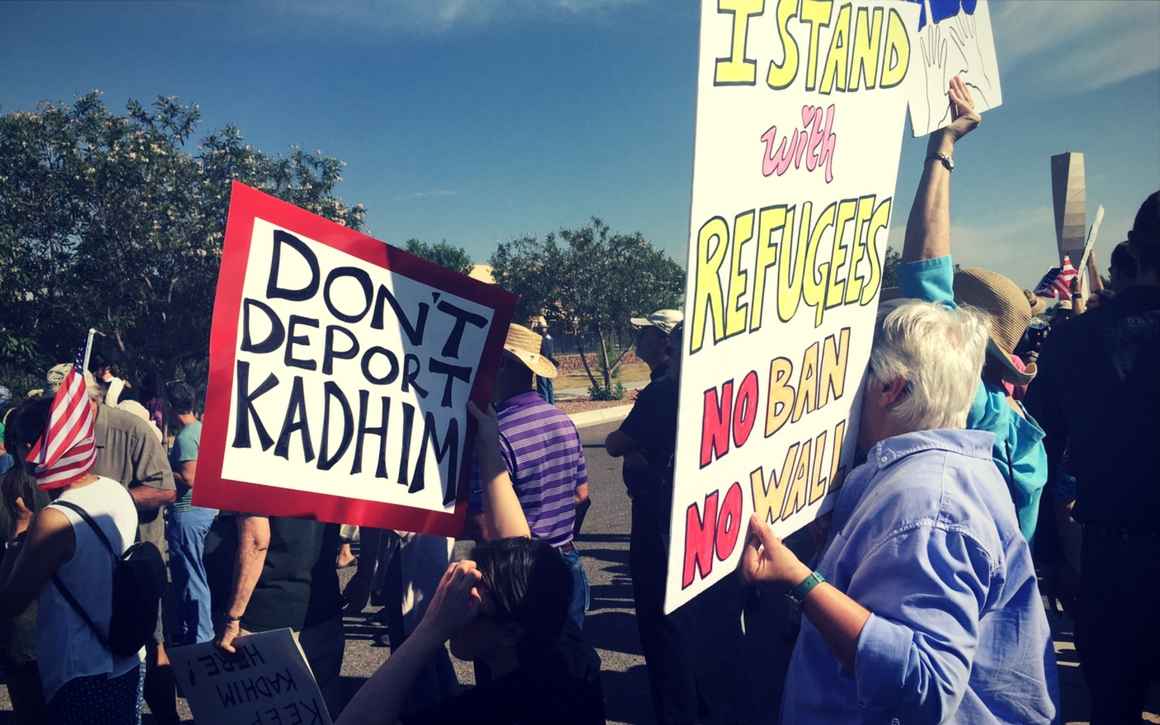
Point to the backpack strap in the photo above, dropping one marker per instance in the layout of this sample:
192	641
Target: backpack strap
92	524
64	592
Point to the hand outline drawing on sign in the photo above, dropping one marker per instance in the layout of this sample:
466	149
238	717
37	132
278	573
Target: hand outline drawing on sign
934	65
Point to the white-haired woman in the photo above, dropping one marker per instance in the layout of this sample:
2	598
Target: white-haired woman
924	606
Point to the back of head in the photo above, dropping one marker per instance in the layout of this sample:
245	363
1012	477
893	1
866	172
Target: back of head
181	397
530	585
25	425
1145	235
939	352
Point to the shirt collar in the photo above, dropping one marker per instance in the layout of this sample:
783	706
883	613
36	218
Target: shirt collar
970	443
518	400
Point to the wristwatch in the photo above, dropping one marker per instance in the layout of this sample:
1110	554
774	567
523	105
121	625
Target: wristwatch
946	161
798	594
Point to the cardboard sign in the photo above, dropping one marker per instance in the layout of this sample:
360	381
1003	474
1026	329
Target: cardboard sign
799	130
267	682
340	370
954	38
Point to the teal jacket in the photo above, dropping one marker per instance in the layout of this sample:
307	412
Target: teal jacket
1018	451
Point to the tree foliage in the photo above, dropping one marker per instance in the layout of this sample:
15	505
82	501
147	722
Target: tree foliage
592	280
441	253
890	268
116	222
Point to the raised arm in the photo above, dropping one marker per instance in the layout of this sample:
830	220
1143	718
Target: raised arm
253	541
503	517
928	228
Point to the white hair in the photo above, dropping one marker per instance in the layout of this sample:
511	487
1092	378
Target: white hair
939	352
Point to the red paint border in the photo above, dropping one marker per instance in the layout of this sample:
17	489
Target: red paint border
214	491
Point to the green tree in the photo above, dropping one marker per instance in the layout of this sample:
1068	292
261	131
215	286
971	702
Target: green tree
441	253
890	268
116	222
591	279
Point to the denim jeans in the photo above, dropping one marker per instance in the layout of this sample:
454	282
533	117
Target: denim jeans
190	619
580	593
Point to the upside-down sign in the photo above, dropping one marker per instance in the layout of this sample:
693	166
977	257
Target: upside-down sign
799	125
340	370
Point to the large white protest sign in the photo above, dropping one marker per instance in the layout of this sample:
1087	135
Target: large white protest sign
267	682
340	370
954	39
800	109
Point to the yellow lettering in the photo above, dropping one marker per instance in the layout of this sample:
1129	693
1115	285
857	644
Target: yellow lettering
819	480
708	298
781	76
781	394
864	66
736	69
854	279
769	220
795	498
792	273
834	74
807	392
835	355
878	222
736	310
814	291
896	53
836	477
817	14
768	499
835	287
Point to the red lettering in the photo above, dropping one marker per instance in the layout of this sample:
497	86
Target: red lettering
729	522
745	409
699	531
715	423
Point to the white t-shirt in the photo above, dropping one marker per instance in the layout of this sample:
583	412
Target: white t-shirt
66	645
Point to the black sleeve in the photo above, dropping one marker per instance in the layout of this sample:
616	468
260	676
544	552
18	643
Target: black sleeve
473	705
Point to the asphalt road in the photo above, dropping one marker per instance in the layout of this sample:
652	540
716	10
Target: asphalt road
610	623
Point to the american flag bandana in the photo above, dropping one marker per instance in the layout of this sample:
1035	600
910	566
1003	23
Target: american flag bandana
67	449
1056	284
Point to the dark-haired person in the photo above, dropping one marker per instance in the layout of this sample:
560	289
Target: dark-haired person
83	681
186	526
1098	397
507	607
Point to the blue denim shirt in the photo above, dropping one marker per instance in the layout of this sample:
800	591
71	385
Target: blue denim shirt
1018	451
924	536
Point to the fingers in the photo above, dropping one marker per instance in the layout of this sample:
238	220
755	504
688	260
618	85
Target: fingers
475	411
761	532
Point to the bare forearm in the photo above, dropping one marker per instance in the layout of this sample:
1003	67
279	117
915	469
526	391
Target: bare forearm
150	499
504	517
838	618
379	701
928	228
247	570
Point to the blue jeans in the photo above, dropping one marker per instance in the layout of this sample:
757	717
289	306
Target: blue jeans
190	618
580	593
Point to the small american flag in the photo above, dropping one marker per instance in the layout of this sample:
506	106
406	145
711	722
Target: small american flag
1056	284
66	451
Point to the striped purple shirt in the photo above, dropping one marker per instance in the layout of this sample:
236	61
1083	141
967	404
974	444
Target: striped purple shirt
543	454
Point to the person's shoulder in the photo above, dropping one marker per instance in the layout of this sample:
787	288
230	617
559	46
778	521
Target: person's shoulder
125	421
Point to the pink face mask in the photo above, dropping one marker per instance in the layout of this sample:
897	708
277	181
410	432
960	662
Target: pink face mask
1013	390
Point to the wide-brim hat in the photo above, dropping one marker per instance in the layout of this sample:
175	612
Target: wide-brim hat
525	346
663	320
1008	314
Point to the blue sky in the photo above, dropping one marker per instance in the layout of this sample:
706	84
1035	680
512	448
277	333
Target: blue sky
478	121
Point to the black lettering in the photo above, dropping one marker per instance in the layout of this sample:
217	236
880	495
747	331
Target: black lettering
314	709
450	445
364	281
331	391
292	709
405	451
272	713
366	365
262	685
411	369
292	340
226	695
244	408
414	331
273	340
249	689
363	430
462	318
210	665
273	290
453	372
254	654
295	421
330	354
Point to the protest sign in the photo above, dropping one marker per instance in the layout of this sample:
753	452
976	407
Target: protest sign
799	127
267	681
340	370
954	39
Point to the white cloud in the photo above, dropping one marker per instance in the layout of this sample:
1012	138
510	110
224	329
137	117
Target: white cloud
1076	45
433	16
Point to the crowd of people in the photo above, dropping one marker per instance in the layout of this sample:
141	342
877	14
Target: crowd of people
1003	455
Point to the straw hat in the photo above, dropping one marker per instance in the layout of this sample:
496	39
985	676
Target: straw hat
525	345
663	320
1008	315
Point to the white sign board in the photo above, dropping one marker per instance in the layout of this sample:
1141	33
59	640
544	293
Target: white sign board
958	42
268	681
799	129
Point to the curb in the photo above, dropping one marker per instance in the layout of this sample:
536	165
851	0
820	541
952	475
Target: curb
589	418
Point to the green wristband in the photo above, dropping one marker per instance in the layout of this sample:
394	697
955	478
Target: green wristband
798	593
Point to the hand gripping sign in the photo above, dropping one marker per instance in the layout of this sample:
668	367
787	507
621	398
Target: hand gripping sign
340	369
800	109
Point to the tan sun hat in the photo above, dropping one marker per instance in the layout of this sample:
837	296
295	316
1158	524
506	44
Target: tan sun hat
1008	315
663	320
525	345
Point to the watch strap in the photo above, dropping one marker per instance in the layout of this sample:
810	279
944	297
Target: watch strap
943	159
799	592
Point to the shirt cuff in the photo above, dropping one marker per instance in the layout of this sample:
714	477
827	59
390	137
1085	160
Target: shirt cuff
931	280
881	661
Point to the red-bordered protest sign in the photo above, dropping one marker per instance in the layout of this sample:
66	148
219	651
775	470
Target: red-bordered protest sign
340	369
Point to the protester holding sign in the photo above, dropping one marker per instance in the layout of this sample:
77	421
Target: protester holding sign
928	273
932	613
